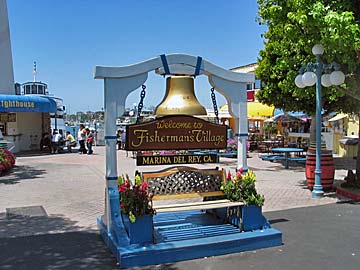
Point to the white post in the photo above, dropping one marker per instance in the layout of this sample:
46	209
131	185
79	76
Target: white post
7	85
115	93
235	94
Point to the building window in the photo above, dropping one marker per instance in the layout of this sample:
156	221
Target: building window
257	84
249	86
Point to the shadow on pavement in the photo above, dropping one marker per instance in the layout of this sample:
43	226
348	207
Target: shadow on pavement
72	250
20	173
50	242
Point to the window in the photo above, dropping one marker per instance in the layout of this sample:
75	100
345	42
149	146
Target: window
249	86
41	89
27	89
33	89
257	84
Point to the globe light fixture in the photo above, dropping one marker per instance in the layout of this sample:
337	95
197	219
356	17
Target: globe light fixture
318	49
309	78
337	77
299	81
314	74
325	80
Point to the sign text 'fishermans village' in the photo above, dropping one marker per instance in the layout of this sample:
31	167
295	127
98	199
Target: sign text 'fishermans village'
175	132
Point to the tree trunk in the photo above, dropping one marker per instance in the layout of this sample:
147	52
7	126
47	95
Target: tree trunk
358	156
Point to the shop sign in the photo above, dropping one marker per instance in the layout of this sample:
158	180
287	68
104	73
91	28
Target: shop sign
175	132
175	159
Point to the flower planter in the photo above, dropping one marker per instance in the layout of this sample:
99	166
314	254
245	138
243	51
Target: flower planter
252	218
141	231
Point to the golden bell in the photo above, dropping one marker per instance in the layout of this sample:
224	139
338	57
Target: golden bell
180	98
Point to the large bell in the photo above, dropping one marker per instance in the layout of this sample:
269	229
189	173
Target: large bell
180	98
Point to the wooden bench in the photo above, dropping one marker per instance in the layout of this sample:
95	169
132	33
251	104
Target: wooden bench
187	182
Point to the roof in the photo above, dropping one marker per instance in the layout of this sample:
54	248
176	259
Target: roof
338	117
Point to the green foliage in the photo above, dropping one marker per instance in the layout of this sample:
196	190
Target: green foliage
242	188
293	27
270	128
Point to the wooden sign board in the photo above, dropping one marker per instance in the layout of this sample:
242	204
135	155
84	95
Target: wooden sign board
175	159
175	132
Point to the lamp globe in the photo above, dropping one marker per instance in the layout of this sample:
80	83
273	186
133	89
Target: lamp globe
309	78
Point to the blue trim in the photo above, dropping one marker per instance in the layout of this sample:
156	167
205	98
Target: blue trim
111	178
241	134
27	103
165	64
198	65
111	137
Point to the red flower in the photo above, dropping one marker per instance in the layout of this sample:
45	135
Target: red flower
122	188
144	186
229	176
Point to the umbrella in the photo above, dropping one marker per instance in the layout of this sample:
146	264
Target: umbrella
284	117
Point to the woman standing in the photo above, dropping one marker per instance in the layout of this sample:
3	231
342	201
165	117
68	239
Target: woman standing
81	136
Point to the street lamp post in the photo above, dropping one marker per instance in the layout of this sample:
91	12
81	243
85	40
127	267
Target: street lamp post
320	77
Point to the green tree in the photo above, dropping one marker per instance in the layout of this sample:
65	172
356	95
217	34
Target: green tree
293	28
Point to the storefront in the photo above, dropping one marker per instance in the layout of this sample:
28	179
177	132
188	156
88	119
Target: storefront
23	119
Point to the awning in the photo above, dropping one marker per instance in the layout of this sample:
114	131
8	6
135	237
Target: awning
255	109
21	103
338	117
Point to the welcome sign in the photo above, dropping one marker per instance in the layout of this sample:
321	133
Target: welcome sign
175	132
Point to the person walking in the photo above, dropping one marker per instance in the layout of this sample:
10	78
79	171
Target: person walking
81	136
55	141
89	141
70	141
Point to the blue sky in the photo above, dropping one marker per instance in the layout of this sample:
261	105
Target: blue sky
68	39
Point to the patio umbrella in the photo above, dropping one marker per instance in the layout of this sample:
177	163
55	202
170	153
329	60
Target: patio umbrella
285	117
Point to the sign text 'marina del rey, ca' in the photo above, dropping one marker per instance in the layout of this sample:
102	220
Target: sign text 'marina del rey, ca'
174	133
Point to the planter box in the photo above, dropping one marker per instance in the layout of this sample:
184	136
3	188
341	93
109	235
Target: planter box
141	231
252	218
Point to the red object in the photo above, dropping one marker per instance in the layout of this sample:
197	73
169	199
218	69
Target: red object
250	95
327	169
348	194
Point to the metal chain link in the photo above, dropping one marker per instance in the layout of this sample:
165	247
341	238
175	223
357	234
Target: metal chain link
213	98
141	105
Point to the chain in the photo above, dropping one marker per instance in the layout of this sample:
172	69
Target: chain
141	105
213	98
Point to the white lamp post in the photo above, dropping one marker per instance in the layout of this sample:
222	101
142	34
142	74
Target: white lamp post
314	74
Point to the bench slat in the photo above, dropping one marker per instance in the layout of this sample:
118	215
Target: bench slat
196	206
188	195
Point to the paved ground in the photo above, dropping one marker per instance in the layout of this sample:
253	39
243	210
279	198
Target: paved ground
70	188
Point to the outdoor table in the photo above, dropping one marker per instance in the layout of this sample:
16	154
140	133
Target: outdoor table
270	143
287	152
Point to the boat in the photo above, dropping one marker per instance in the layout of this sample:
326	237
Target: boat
38	88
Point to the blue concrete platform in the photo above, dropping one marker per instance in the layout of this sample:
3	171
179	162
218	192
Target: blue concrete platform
183	236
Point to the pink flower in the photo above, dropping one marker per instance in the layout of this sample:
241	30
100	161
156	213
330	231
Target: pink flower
229	176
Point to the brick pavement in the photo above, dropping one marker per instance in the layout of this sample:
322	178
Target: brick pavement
70	187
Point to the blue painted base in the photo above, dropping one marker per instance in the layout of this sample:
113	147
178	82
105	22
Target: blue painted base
253	218
141	231
184	236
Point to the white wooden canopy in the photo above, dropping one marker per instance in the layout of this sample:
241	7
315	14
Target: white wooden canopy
119	82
